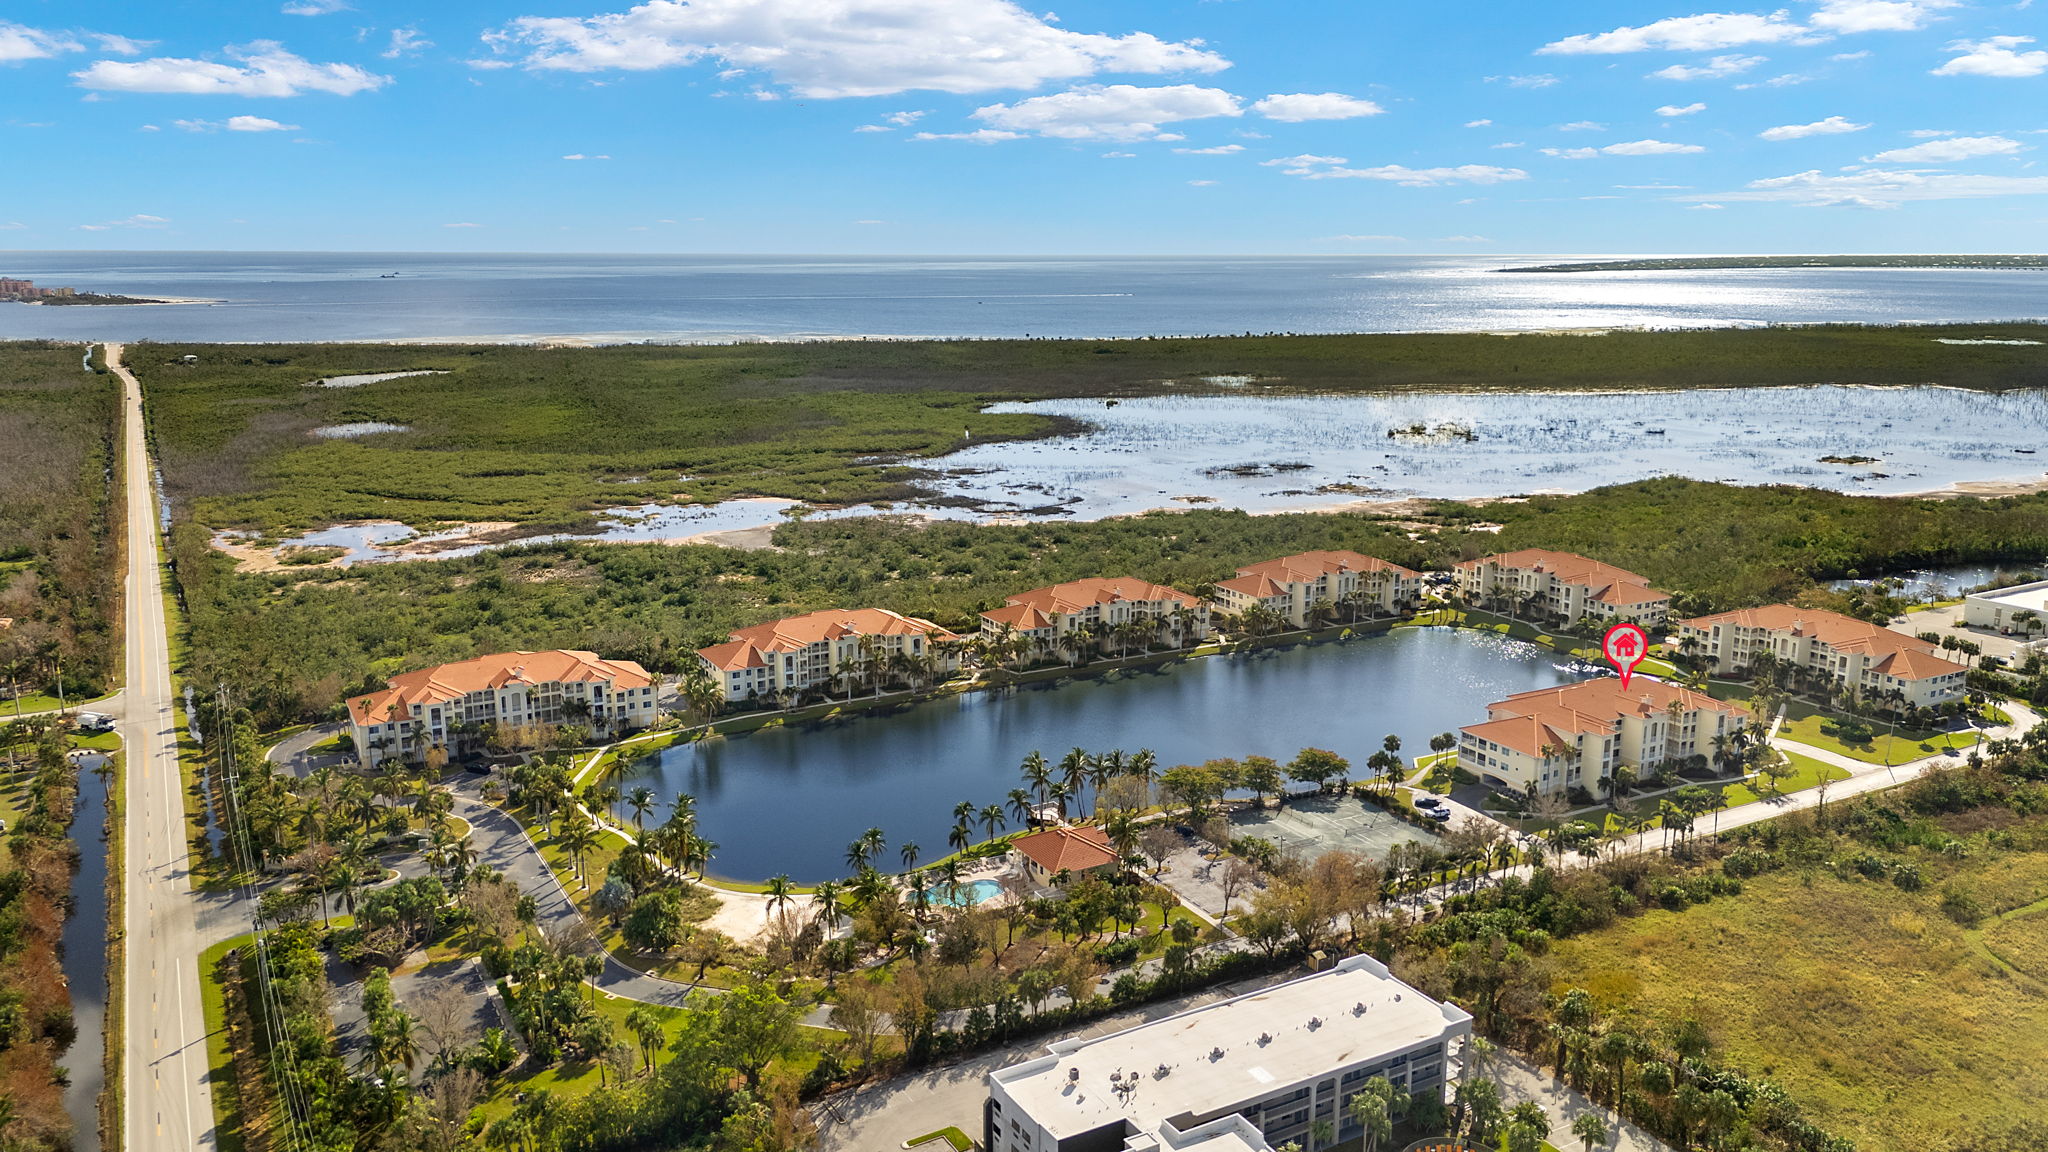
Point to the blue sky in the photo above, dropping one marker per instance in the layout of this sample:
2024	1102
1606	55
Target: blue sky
978	126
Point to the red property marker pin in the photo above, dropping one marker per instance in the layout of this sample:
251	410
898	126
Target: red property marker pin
1625	646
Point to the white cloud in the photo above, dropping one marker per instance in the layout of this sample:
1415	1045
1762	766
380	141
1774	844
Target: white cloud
1670	110
1713	69
1995	56
978	136
1846	16
20	42
1219	150
1881	188
1537	80
848	47
235	124
870	221
1296	107
1305	160
1507	144
149	128
1417	177
12	226
119	45
136	221
1582	126
1626	148
1477	123
1930	133
1785	81
315	7
1707	32
1119	155
1950	150
904	119
874	128
405	42
582	156
1832	126
1110	112
268	70
1847	56
1201	183
1703	207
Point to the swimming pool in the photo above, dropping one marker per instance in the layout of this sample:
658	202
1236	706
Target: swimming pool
974	892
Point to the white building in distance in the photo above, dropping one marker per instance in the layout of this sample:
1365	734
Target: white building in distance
2021	610
1245	1075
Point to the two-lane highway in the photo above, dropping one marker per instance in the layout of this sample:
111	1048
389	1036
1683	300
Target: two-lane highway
169	1105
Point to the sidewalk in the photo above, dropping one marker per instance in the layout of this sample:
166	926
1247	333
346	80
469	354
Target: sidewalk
1520	1080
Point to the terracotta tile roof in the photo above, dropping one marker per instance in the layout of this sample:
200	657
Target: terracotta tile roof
1306	566
1527	721
445	682
1569	567
1627	595
1257	585
1078	595
796	632
1067	849
1893	653
1022	617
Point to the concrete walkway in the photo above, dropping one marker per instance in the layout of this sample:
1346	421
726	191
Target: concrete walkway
1520	1080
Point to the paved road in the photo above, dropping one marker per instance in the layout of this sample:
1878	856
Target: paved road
164	1067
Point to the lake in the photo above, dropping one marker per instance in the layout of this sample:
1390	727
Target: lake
791	799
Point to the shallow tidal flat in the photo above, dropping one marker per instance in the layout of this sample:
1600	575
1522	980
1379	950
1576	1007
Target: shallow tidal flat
1292	452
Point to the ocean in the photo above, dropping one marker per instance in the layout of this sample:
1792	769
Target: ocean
514	297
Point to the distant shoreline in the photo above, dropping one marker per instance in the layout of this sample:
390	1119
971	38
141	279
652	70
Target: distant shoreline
1717	263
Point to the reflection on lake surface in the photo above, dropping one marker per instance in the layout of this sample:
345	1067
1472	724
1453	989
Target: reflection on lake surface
1147	452
791	799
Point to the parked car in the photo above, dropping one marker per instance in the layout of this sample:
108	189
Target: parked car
1428	802
95	722
1442	814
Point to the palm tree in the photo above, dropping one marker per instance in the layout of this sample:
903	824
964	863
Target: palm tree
825	902
1590	1129
1020	806
909	854
960	837
873	842
577	836
1036	775
780	892
992	818
645	1025
641	801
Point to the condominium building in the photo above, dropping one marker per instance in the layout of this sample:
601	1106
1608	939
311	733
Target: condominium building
446	706
1248	1074
1294	586
1046	616
1837	651
1551	740
1563	586
790	655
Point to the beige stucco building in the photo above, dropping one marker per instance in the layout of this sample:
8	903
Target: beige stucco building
1838	650
798	652
1551	740
1045	616
1563	585
446	706
1294	586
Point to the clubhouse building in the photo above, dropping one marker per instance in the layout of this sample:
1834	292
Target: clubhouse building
1828	649
1297	586
790	655
1563	586
446	706
1097	607
1250	1074
1552	740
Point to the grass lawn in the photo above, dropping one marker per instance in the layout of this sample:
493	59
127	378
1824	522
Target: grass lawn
1864	1000
1810	725
227	1110
37	702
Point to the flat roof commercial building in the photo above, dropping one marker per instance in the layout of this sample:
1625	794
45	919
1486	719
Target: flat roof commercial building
1245	1075
2021	610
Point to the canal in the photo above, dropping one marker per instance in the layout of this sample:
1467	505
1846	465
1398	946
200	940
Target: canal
791	799
85	954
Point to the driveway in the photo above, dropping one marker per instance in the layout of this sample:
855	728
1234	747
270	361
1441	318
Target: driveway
1948	621
293	754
